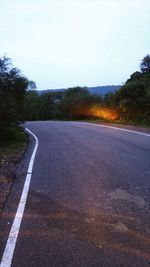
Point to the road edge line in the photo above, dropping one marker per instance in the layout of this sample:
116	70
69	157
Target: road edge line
14	231
116	128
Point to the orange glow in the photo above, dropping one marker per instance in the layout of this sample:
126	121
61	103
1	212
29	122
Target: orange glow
96	111
104	112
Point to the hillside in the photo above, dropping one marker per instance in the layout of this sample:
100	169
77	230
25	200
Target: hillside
102	90
98	90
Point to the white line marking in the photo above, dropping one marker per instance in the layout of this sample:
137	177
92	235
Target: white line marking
116	128
13	235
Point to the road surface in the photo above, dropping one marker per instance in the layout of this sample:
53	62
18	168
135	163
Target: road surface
88	203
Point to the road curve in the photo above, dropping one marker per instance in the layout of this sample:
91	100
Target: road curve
88	203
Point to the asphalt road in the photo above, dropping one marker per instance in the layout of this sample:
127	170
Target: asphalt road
88	203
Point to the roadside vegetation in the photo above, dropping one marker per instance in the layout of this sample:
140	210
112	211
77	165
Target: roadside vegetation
133	99
10	153
128	105
13	87
13	139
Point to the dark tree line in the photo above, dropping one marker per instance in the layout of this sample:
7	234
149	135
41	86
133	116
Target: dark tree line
13	87
37	106
131	103
73	103
133	99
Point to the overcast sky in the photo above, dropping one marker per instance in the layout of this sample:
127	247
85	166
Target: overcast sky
65	43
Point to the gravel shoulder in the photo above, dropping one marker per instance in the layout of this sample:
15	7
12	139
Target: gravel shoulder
10	155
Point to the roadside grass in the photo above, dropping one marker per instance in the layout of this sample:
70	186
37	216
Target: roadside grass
12	146
12	143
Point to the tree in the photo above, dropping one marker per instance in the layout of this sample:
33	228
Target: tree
13	87
133	99
134	77
32	106
31	85
77	102
37	106
145	64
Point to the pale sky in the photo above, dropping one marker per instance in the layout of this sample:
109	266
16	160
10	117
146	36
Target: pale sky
65	43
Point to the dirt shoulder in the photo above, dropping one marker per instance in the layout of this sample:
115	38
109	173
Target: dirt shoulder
10	154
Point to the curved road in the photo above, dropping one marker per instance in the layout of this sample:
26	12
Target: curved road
88	203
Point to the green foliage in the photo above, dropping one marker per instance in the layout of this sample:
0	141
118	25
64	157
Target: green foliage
145	64
133	99
73	103
13	87
12	134
31	105
77	102
37	107
134	77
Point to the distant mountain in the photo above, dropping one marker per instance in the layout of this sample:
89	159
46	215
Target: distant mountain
102	90
50	90
98	90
